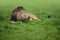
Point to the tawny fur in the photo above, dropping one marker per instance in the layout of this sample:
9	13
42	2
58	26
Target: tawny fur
32	16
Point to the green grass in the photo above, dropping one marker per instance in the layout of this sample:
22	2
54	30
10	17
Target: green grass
47	29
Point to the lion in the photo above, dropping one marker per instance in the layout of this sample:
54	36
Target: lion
19	14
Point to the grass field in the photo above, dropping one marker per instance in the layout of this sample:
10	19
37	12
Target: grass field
47	29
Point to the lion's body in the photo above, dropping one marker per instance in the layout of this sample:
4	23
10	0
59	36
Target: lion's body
31	16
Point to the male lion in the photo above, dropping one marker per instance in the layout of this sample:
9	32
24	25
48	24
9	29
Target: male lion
19	14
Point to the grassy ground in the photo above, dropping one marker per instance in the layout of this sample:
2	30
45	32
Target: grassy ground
47	29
